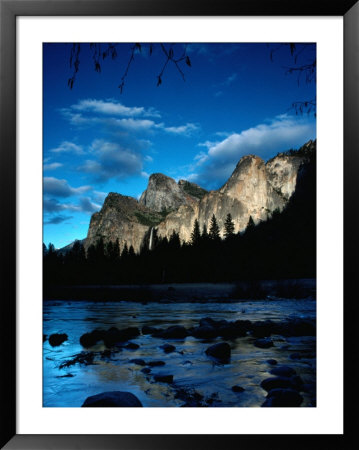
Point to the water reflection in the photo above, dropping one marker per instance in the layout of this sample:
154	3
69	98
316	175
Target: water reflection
189	364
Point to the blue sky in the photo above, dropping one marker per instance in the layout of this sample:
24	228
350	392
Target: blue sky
234	101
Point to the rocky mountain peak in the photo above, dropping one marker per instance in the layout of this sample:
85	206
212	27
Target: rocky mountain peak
247	178
255	189
164	194
282	170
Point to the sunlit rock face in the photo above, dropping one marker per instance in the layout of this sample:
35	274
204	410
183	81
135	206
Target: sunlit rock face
282	170
254	189
164	194
246	193
122	218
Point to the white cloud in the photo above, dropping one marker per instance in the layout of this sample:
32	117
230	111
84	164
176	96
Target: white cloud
185	130
112	161
264	140
136	124
99	196
52	166
61	188
68	147
229	80
114	108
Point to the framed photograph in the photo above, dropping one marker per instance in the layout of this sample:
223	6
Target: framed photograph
173	235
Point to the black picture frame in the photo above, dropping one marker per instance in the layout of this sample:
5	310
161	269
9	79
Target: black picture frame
9	10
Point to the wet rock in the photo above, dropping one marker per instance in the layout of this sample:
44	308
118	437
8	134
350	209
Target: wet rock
44	337
187	363
310	388
209	322
191	397
138	361
163	378
174	332
85	358
263	343
132	346
283	371
262	329
106	354
276	382
156	363
295	356
68	375
168	348
221	351
229	331
204	332
146	370
283	398
272	362
243	325
112	399
114	335
298	327
297	382
237	388
57	339
90	339
149	330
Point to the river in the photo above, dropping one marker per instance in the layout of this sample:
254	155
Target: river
193	371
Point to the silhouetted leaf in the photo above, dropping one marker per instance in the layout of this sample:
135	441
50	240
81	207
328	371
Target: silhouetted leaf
97	67
138	46
188	61
159	81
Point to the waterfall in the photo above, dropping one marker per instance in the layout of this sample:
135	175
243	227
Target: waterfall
151	238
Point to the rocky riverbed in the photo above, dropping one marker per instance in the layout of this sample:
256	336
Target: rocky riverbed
252	353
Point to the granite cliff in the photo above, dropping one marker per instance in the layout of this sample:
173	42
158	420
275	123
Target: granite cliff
255	189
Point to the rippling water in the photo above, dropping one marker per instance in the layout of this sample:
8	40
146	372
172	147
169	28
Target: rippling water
189	365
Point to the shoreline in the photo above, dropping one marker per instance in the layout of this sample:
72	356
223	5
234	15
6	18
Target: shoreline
230	292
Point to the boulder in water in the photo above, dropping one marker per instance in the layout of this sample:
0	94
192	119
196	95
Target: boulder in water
168	348
164	378
221	351
57	339
264	343
276	382
283	398
174	332
283	371
112	399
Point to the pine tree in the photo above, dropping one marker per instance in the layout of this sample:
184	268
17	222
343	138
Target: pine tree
174	241
77	253
91	254
124	251
116	250
196	234
228	227
204	233
250	224
214	229
100	250
109	250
